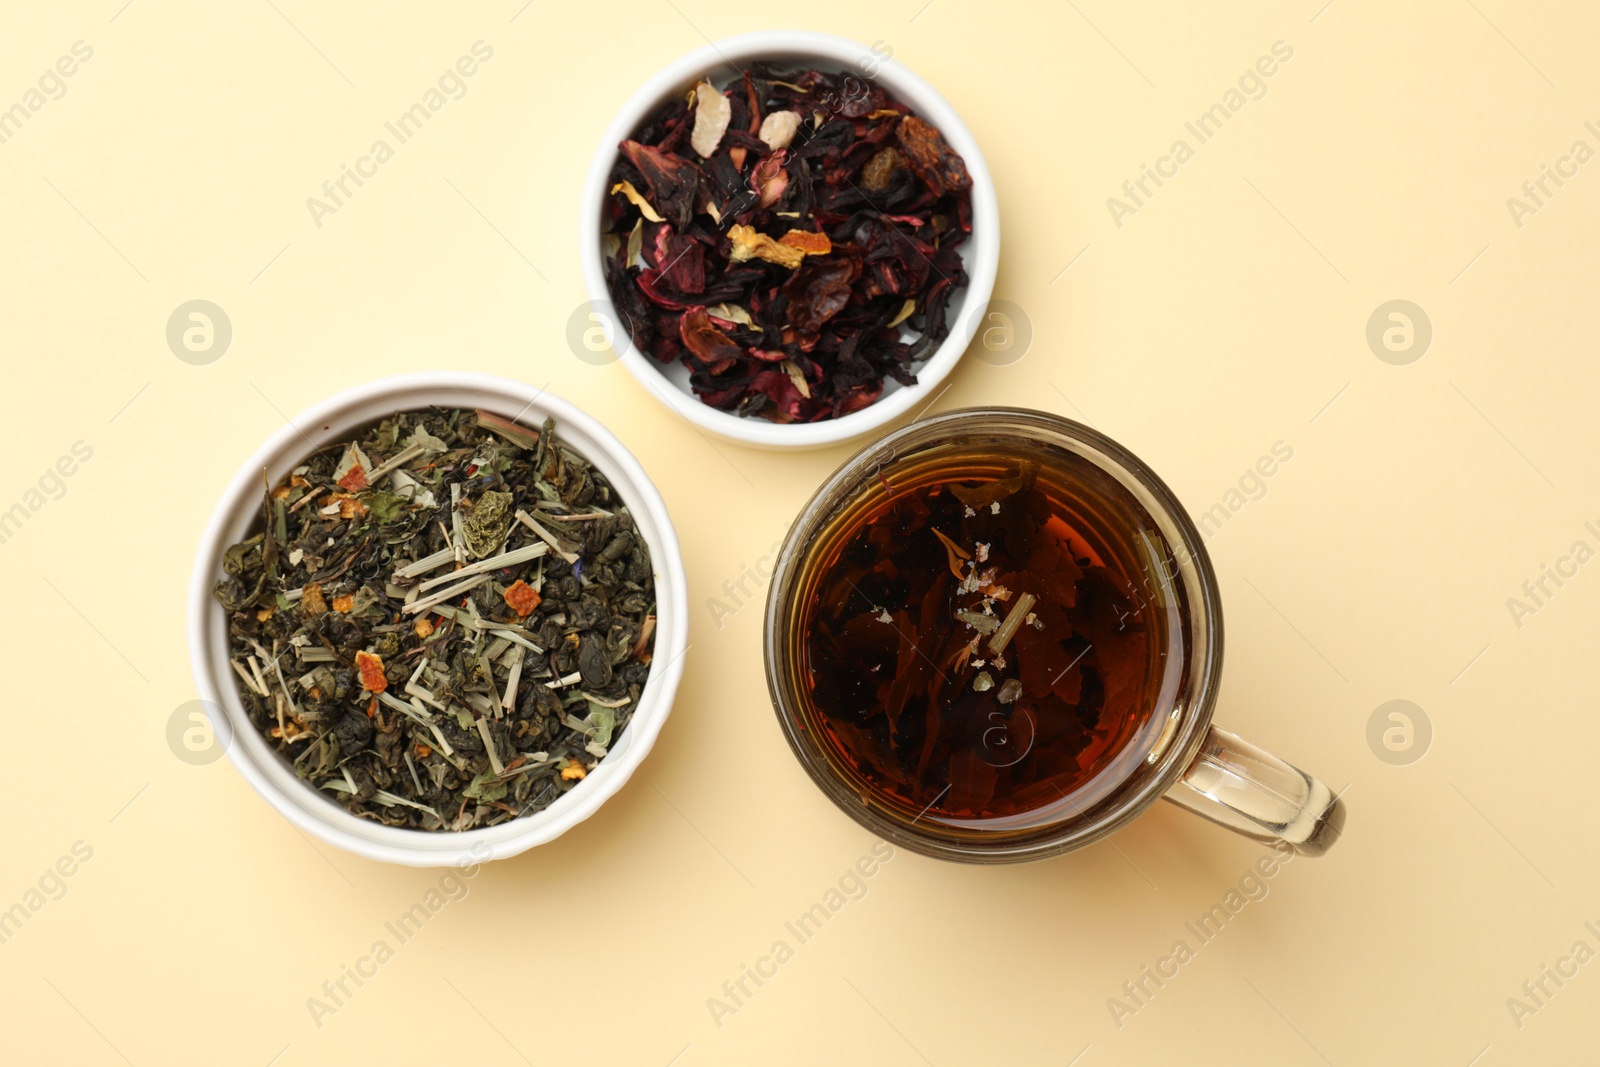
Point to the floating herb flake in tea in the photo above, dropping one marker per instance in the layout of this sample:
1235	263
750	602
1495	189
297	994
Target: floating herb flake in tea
793	239
443	624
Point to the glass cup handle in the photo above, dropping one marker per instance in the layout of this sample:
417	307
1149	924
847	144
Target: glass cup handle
1252	792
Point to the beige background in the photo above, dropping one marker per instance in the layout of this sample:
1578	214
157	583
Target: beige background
1227	314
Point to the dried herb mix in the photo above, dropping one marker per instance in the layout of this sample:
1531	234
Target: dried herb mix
776	236
443	623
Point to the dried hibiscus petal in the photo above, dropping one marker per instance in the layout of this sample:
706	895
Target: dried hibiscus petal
713	348
672	180
820	290
933	160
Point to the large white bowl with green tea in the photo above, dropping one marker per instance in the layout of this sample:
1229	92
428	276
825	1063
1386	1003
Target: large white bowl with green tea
439	618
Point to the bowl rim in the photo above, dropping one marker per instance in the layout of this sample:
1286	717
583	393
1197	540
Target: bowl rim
981	253
326	422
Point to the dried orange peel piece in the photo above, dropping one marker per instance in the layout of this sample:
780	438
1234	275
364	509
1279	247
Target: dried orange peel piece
789	251
810	242
349	506
523	598
370	668
354	480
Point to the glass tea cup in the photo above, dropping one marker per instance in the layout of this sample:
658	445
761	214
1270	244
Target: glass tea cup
885	768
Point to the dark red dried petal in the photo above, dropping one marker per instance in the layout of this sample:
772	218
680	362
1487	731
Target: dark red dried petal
715	350
672	180
660	291
779	388
685	268
931	157
724	399
856	399
820	289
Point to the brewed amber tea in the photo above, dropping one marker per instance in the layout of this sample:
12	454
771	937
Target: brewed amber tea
990	636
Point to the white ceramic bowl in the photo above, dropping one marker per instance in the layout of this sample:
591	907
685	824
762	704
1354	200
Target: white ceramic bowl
980	253
332	421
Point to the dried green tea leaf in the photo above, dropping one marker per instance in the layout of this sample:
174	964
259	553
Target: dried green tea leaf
486	787
411	491
422	438
486	528
386	507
